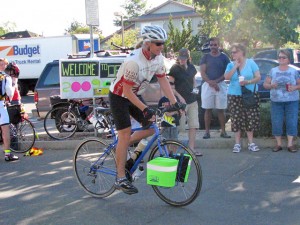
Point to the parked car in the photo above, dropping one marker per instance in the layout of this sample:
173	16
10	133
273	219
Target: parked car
265	65
48	85
272	54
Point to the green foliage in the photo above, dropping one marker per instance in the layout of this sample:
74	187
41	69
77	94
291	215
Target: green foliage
196	56
7	27
79	28
279	20
179	38
265	121
133	8
130	39
215	13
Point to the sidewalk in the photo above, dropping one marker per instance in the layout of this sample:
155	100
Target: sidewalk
215	142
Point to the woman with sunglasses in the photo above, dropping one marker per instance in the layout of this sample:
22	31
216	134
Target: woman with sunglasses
284	83
242	72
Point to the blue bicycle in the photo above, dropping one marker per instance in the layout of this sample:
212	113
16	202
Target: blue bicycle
95	165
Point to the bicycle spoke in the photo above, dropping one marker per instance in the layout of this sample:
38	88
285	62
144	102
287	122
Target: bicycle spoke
95	168
184	192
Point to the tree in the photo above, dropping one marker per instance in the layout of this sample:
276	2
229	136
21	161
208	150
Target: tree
280	20
180	38
130	38
7	27
245	26
79	28
133	8
215	14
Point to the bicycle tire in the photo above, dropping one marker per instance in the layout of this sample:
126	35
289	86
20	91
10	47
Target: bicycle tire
95	169
183	193
25	136
60	123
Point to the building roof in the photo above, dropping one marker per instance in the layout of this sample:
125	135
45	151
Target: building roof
151	15
19	34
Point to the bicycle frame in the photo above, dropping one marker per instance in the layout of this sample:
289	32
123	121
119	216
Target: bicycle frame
156	137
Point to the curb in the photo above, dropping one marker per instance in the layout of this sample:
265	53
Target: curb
215	142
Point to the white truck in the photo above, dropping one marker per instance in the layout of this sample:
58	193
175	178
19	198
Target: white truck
32	54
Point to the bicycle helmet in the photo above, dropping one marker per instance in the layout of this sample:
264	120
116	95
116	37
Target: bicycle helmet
154	33
12	69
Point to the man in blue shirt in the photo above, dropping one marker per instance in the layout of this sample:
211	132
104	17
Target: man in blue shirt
214	90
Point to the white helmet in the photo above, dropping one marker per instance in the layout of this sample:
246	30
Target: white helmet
154	33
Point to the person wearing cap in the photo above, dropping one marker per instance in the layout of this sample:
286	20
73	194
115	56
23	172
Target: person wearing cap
214	88
182	76
125	99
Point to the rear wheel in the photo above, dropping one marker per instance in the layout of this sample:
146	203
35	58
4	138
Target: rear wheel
95	168
185	191
60	123
22	136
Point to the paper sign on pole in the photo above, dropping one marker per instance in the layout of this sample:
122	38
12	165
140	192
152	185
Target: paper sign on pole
92	12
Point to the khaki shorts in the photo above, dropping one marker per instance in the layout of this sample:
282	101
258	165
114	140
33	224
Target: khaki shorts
191	117
212	99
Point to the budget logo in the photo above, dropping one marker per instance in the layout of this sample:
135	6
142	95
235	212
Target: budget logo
20	50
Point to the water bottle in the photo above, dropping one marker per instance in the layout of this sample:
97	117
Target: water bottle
136	153
139	148
137	173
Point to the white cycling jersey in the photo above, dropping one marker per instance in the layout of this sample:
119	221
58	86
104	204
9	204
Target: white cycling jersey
137	70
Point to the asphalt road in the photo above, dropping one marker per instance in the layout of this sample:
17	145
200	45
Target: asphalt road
260	188
243	189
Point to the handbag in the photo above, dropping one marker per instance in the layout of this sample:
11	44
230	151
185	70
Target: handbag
249	98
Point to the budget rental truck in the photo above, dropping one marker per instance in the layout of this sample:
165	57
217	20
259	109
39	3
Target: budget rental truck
32	54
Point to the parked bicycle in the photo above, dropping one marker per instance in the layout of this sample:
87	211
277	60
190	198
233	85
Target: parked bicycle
95	166
22	131
66	118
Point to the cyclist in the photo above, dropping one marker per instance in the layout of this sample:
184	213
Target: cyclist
13	71
6	88
132	78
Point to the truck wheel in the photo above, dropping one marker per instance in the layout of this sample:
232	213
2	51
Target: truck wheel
23	88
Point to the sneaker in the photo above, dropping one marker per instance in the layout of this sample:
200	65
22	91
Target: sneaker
252	147
236	148
206	136
125	185
10	157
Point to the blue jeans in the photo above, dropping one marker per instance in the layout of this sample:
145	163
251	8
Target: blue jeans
287	111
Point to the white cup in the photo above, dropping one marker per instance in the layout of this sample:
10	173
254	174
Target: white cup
241	78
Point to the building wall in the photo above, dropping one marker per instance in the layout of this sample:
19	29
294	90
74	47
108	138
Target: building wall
176	22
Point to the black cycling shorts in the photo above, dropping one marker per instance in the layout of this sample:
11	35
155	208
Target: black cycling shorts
122	109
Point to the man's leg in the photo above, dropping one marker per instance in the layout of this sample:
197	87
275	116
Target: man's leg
121	150
221	117
207	121
122	182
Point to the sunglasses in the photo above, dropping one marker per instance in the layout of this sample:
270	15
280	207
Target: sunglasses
282	57
234	52
215	45
158	43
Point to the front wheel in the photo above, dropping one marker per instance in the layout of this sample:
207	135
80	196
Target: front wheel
185	191
22	136
60	123
95	168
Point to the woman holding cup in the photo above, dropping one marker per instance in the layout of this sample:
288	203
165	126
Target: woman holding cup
284	83
242	72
